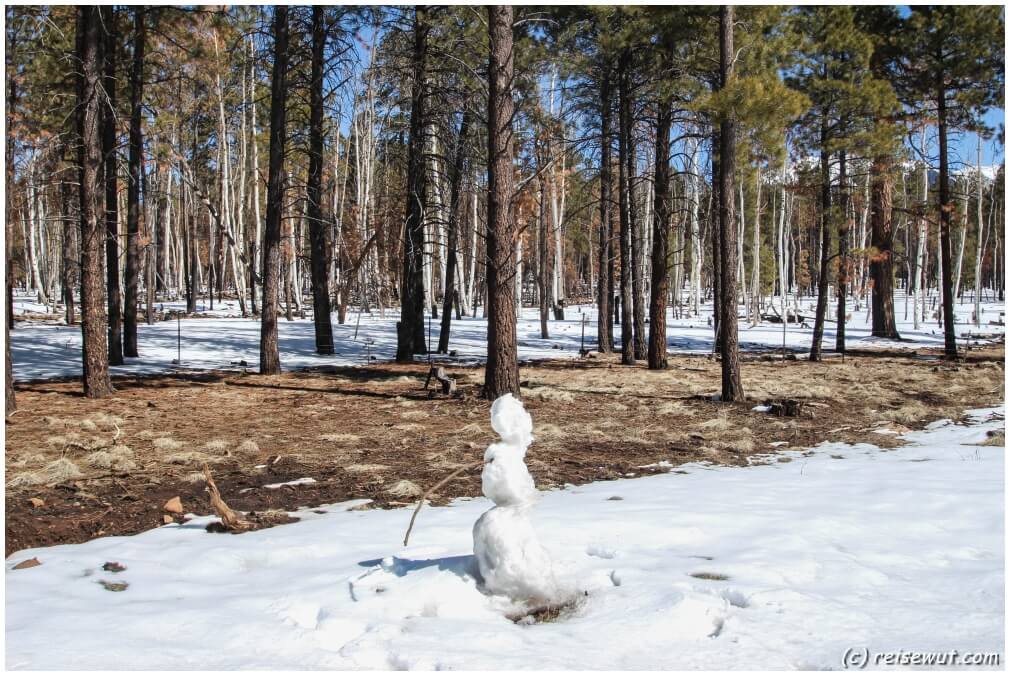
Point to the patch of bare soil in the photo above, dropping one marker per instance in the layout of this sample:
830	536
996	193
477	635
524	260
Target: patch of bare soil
78	468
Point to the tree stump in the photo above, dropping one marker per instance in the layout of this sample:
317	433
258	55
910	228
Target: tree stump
439	374
787	408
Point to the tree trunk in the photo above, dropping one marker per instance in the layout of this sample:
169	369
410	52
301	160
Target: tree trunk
320	247
133	193
543	262
94	320
843	251
949	338
822	277
10	403
604	316
634	235
501	375
410	337
68	263
270	360
715	217
452	257
732	388
660	234
624	197
882	241
111	156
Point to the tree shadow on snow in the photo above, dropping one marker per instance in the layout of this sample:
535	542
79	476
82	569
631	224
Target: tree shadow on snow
464	566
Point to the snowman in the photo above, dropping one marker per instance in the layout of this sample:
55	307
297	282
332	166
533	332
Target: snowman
510	558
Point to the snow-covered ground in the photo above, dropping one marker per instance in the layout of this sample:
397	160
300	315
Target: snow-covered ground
779	566
51	350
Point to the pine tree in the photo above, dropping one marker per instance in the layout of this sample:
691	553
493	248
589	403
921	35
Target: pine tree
732	388
501	374
133	206
270	361
320	243
410	337
955	63
94	320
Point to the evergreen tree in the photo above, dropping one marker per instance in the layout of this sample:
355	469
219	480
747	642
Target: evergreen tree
955	64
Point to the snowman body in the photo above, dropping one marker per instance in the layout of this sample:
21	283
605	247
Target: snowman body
510	558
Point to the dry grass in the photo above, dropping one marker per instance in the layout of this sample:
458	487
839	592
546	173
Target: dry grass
997	438
167	444
216	445
366	468
248	446
404	489
718	424
193	458
339	438
911	412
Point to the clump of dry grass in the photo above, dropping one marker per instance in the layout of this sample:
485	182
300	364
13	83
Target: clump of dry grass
741	445
248	446
118	458
88	426
404	489
106	421
366	468
339	437
190	458
672	407
995	438
472	429
53	421
718	424
910	412
413	415
403	402
545	392
149	434
547	431
408	427
28	459
26	479
194	477
167	444
216	445
61	470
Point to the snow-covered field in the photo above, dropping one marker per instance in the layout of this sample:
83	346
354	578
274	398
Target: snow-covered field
49	350
783	565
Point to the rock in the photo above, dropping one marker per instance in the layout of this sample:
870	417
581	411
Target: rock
37	502
113	567
166	519
114	586
174	505
28	563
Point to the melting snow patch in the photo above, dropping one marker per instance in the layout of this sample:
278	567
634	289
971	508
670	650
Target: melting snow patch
662	464
293	482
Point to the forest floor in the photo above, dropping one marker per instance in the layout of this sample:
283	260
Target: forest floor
77	469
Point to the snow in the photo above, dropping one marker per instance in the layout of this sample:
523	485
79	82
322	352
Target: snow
784	565
42	350
510	560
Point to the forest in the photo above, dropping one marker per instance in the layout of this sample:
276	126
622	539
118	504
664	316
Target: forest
279	264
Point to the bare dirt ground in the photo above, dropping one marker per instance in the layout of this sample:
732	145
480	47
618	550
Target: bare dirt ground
78	468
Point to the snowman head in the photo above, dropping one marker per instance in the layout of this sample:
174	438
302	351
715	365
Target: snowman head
512	423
